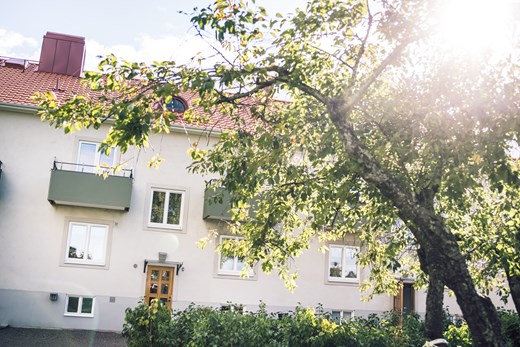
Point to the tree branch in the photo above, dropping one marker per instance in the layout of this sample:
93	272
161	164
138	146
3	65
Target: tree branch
361	50
353	99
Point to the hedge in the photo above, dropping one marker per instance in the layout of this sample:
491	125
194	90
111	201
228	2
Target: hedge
157	326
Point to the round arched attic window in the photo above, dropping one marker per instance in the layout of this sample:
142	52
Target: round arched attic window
177	105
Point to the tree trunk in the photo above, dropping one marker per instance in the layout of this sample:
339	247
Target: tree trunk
442	253
433	321
433	326
514	287
514	279
444	258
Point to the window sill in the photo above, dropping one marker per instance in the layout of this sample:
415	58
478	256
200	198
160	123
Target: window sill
85	266
166	228
353	281
235	276
79	315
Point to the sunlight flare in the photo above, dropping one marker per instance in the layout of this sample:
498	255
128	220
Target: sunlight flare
473	26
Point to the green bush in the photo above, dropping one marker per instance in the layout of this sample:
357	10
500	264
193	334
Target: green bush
510	327
157	326
148	325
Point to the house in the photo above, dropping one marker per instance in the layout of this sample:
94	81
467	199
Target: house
77	249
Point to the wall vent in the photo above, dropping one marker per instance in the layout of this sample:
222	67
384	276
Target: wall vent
62	54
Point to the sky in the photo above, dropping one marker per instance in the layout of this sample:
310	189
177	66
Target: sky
134	30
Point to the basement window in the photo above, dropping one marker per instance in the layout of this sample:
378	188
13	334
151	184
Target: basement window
340	316
79	306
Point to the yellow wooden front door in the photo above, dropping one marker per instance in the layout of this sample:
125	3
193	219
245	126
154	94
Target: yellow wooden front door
159	284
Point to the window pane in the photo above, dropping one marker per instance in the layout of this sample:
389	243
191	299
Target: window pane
157	213
105	160
155	275
164	288
226	263
335	316
73	304
240	264
86	306
408	298
96	247
165	275
335	268
176	105
350	267
174	208
87	156
77	241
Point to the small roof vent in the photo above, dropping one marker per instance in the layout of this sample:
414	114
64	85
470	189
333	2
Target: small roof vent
16	63
62	54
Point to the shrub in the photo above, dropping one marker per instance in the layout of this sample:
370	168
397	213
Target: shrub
148	325
157	326
510	327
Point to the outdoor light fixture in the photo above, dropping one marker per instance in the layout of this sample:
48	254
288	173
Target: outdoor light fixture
162	257
53	296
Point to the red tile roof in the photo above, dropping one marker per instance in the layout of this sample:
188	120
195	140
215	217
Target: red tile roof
17	85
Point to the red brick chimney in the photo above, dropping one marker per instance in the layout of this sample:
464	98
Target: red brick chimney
62	54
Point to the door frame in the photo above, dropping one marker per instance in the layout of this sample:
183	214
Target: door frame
161	282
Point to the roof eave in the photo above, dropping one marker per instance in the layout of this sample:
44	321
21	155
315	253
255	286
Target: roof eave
178	128
7	106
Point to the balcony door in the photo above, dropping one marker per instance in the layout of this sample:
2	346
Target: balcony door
159	284
404	301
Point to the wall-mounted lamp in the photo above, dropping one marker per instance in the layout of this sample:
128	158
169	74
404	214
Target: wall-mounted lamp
162	257
53	296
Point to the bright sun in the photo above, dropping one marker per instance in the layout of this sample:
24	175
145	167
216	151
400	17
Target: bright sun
471	26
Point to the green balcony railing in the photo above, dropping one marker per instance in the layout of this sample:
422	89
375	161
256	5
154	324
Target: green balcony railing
217	204
81	185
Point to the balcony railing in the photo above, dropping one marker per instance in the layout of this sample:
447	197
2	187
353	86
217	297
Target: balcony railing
89	186
217	204
59	165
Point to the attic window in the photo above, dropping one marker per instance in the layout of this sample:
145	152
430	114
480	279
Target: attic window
177	105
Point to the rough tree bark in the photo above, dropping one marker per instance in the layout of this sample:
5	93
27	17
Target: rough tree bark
442	253
514	280
514	286
433	321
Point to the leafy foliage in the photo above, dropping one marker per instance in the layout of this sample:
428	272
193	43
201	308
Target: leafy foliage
204	326
389	136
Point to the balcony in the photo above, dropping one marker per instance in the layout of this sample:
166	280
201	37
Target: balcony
81	185
216	204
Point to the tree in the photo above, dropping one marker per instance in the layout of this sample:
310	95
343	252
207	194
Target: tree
383	137
488	225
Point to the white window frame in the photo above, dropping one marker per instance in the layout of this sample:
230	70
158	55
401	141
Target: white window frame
78	313
343	279
164	224
234	271
341	314
96	163
83	261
